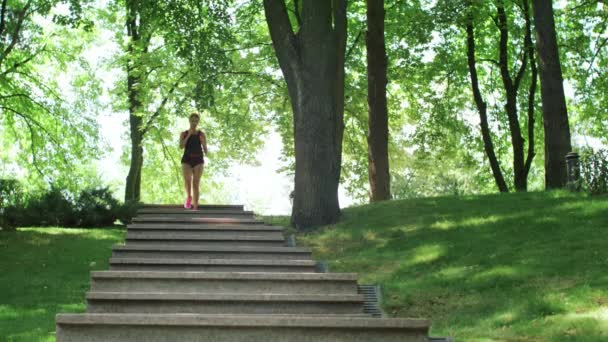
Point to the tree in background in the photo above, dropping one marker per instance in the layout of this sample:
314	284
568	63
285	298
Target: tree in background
555	112
377	138
481	104
174	56
312	61
51	136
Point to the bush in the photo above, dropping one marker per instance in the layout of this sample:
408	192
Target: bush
594	171
94	207
11	197
127	211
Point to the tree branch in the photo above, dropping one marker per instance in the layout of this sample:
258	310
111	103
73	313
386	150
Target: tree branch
296	7
493	61
281	33
353	45
3	17
23	62
16	32
163	103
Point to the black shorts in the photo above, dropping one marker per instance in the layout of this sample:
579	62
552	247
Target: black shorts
193	159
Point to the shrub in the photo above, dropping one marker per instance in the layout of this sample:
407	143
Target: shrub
127	211
11	198
95	207
594	171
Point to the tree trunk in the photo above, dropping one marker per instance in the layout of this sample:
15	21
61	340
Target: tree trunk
511	86
377	139
555	114
532	89
312	62
134	80
482	109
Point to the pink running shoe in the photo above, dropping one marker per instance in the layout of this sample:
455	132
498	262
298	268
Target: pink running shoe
188	203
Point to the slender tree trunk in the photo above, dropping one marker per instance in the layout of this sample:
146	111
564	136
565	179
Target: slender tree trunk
312	62
377	139
134	80
555	114
532	89
482	109
511	86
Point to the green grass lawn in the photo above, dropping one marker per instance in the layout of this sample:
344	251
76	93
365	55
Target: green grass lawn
513	267
44	271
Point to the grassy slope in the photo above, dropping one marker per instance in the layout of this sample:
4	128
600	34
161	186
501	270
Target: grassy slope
503	267
44	271
515	267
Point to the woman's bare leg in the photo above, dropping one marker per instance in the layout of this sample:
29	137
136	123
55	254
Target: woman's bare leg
187	171
197	171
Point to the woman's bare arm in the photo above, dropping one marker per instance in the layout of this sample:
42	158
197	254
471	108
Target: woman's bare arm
204	142
183	139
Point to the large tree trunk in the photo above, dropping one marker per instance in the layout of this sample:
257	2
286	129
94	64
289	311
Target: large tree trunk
377	139
482	109
134	80
555	114
312	62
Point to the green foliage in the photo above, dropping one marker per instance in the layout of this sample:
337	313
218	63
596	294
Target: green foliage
94	207
44	131
516	267
594	171
582	28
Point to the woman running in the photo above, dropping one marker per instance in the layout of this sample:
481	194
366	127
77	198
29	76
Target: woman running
194	143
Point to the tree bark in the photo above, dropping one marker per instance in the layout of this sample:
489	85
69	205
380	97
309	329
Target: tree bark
555	114
312	62
377	139
532	89
482	109
134	80
511	86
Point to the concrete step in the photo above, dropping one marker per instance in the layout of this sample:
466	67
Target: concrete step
187	252
192	212
201	207
222	303
205	227
225	282
173	239
268	235
195	220
236	328
211	265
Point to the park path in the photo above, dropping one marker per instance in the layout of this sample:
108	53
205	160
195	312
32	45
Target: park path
219	274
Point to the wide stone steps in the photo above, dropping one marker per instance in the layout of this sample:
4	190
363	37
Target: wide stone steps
222	303
202	207
195	213
196	220
203	227
211	265
219	274
190	252
202	241
236	328
204	234
224	282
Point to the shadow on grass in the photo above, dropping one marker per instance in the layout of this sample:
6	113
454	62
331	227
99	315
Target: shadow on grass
479	267
45	271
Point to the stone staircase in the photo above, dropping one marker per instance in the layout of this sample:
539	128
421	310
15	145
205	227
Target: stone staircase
218	274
